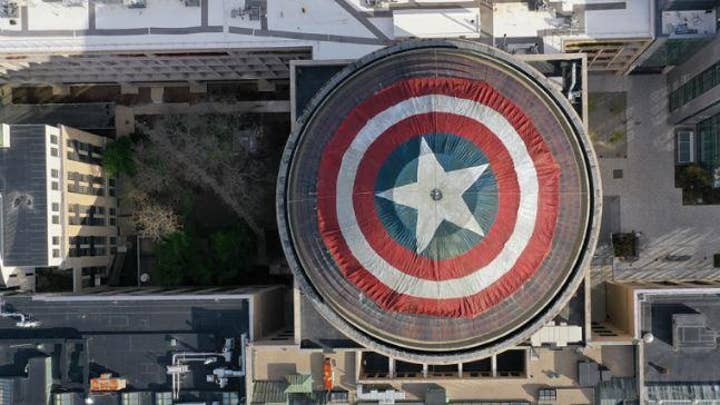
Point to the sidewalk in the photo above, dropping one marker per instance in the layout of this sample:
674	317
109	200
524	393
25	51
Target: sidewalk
649	202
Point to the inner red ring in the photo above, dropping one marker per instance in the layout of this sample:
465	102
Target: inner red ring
405	259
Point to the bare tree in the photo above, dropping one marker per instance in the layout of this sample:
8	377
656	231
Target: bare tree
151	219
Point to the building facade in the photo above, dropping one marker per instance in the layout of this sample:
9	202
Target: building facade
681	29
694	111
59	207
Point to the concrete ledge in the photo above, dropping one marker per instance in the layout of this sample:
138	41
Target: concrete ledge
128	89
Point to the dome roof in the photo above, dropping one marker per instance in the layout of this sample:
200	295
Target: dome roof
437	200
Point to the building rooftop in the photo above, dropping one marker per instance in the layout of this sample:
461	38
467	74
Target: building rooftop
29	385
132	339
96	118
23	187
336	29
575	18
549	369
678	354
342	27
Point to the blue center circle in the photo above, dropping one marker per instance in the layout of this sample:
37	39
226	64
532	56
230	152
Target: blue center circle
453	153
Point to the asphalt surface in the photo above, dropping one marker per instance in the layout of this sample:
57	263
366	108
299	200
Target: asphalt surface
133	339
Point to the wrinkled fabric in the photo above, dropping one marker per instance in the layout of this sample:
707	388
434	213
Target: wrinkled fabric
464	274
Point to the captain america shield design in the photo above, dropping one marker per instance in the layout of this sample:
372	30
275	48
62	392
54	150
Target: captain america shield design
437	196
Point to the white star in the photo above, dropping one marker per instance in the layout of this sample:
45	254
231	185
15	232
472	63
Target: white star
437	197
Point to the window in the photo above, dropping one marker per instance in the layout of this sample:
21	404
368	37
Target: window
709	142
56	240
54	139
92	271
53	152
85	184
88	215
675	100
55	207
685	147
55	219
84	152
111	187
54	185
81	246
56	253
112	219
54	174
113	240
695	87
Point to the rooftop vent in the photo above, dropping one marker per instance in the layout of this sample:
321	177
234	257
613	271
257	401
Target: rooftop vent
691	333
9	9
23	200
253	10
135	3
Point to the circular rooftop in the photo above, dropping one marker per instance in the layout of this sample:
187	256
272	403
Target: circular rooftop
436	201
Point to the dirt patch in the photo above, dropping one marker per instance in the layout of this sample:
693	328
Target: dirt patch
608	124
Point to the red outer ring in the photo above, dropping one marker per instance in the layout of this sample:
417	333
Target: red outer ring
534	253
400	256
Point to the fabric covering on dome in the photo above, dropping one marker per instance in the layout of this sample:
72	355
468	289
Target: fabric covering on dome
437	196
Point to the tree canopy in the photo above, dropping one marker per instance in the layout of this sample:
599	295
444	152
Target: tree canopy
118	157
186	258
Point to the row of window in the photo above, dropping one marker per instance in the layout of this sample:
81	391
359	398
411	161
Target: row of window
74	188
709	140
84	152
83	246
703	147
94	185
86	246
695	87
88	240
75	176
86	221
92	271
90	215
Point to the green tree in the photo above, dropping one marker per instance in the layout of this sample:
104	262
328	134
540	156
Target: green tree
231	251
118	157
695	177
172	257
184	258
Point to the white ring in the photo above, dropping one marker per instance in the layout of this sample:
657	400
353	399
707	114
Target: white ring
480	278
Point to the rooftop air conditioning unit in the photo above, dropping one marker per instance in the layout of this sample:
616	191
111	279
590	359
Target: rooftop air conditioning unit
135	3
73	3
9	9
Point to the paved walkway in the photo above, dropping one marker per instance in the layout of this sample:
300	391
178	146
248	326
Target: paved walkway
649	202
